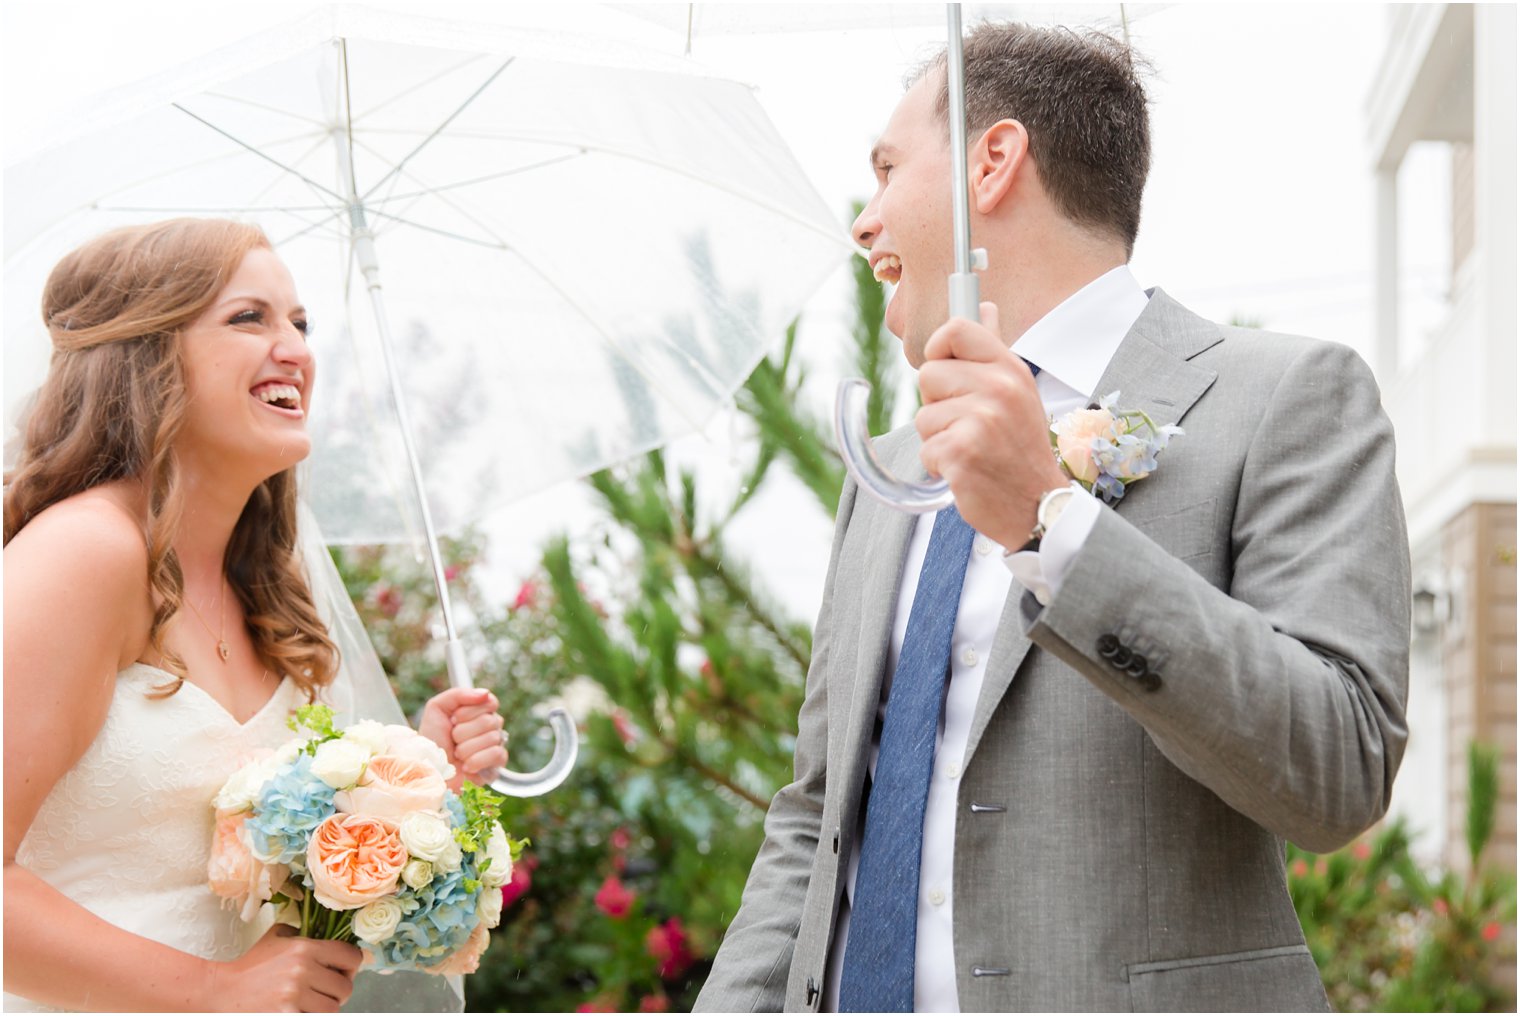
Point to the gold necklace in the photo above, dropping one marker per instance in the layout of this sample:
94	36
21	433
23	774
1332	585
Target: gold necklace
222	648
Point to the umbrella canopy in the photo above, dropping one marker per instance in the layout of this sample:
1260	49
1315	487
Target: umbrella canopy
551	256
584	250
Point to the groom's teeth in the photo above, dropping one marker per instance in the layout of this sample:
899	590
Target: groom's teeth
887	268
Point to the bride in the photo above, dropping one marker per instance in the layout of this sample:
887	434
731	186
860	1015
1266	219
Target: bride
160	629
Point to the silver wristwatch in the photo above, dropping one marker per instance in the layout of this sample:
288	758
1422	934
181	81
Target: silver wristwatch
1052	503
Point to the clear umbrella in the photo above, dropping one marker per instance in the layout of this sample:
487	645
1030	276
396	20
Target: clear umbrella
694	20
583	251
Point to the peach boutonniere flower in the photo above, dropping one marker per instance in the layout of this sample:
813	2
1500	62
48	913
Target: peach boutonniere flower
1106	449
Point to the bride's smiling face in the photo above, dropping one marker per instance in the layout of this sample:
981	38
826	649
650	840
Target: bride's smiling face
249	373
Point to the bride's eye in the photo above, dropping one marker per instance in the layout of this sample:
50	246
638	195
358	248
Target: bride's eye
246	317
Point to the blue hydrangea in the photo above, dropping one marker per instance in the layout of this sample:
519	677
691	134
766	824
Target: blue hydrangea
438	919
289	808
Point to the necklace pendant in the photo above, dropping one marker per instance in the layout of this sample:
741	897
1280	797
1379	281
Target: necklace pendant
224	649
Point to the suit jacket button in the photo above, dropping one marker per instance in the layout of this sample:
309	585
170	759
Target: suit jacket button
1136	666
812	991
1108	645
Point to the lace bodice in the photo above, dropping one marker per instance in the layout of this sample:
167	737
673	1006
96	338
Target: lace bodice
126	833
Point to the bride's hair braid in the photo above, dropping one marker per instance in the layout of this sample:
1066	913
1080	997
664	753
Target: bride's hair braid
114	403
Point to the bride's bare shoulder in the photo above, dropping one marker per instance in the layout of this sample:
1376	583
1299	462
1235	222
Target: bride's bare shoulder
82	561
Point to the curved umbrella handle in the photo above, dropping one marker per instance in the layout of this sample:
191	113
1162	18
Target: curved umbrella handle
566	740
854	436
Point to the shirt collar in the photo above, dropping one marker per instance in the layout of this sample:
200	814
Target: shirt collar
1074	342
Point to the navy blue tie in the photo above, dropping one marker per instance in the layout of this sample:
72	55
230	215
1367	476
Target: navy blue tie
879	957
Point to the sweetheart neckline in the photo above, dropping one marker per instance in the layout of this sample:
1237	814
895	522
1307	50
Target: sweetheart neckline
241	725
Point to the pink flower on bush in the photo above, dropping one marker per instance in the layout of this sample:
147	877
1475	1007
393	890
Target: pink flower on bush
600	1004
1361	850
659	1002
620	839
667	944
389	601
1490	931
614	898
1300	868
452	572
624	728
1439	906
522	880
527	595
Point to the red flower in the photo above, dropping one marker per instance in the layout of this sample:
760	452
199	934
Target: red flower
521	881
389	601
1439	906
667	944
613	898
1490	931
600	1004
620	839
452	572
527	595
625	728
707	668
1300	868
1361	850
655	1003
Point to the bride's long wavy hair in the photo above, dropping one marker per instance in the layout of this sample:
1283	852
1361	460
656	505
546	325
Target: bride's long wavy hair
113	404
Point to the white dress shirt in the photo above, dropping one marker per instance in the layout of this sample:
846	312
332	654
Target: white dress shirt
1072	346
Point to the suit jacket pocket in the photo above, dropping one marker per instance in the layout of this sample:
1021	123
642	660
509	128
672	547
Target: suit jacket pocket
1279	979
1185	533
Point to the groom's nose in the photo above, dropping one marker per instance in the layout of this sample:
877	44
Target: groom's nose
867	226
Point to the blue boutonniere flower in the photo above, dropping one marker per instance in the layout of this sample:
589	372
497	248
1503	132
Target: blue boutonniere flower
1106	449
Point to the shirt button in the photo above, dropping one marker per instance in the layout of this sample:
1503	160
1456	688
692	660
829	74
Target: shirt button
983	545
937	897
968	656
953	770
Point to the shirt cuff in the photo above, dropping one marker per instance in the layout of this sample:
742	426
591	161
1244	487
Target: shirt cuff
1042	571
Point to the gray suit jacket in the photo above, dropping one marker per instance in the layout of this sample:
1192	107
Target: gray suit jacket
1224	668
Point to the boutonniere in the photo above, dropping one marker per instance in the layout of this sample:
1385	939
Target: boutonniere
1105	449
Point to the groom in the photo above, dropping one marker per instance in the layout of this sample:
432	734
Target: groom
1051	748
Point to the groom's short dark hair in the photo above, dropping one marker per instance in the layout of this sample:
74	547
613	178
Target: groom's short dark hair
1079	96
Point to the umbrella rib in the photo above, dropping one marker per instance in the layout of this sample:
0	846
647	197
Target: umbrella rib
541	164
240	100
607	340
263	155
398	167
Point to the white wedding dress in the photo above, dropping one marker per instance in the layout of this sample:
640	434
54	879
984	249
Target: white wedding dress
126	833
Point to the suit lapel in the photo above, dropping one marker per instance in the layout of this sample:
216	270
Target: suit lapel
1151	371
891	531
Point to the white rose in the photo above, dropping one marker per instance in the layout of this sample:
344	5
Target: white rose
288	752
490	908
376	921
241	791
417	873
499	872
451	859
369	733
340	763
426	835
407	743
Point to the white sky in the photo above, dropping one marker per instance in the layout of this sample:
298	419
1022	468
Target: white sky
1260	201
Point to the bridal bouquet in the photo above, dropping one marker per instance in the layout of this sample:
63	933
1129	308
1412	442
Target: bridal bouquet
354	835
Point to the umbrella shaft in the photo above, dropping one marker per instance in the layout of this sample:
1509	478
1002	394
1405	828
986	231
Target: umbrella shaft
956	79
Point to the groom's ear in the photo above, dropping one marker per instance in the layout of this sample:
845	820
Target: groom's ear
996	160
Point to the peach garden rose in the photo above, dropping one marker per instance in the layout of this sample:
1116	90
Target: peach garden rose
354	860
393	788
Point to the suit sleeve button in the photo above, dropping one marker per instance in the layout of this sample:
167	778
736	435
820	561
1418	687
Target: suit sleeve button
1122	657
1136	666
1151	681
1107	646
